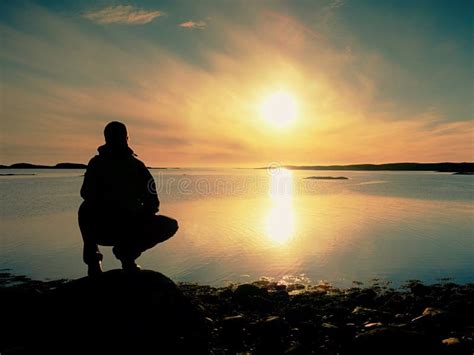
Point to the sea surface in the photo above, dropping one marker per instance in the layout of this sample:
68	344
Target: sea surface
239	225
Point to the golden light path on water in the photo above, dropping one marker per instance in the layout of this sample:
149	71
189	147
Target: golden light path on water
280	220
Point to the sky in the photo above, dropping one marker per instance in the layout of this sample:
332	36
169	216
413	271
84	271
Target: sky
371	81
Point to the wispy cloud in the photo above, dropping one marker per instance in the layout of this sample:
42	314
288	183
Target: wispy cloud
336	3
122	14
200	25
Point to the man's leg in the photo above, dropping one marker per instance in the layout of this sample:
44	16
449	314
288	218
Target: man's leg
144	235
126	252
91	254
126	247
157	230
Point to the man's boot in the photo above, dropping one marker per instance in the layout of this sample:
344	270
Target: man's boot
130	266
94	268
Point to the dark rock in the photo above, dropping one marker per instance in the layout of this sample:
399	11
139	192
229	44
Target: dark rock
210	298
308	332
329	326
120	313
298	314
370	314
280	295
457	306
296	349
233	322
272	333
260	304
18	306
373	325
225	293
245	291
337	314
454	346
364	310
273	327
144	313
451	341
432	312
435	319
253	298
419	290
366	297
233	330
388	341
295	287
395	302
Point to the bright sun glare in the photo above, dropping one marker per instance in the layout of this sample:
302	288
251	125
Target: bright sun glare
279	108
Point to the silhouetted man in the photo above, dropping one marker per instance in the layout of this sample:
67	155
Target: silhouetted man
120	203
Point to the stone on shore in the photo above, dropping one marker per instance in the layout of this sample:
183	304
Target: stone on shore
120	313
146	313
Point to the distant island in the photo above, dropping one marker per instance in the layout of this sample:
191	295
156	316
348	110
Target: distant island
57	166
464	173
440	167
326	178
10	174
36	166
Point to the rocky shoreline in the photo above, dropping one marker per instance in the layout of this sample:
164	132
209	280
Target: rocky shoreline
262	317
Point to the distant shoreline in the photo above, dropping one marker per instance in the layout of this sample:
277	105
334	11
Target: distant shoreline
58	166
326	178
465	168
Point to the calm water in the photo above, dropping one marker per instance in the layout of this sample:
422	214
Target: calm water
240	225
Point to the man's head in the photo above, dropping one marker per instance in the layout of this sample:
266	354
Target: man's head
115	133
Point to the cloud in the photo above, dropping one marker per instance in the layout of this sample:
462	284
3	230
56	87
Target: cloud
122	14
334	4
200	25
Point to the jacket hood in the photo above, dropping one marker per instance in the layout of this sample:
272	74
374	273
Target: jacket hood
117	151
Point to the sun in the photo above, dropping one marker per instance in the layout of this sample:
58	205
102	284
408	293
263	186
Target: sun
279	108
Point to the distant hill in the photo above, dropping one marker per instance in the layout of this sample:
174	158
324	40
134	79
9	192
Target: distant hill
441	167
70	166
326	178
36	166
57	166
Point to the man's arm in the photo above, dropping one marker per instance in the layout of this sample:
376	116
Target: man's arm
89	189
151	203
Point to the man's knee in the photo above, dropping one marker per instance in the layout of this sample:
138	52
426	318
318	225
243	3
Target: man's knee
167	224
172	226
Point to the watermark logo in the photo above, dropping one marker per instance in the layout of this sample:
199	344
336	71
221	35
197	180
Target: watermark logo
252	182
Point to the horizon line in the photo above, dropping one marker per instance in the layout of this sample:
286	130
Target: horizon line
7	166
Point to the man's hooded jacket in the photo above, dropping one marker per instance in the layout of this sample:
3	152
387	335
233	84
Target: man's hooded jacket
116	181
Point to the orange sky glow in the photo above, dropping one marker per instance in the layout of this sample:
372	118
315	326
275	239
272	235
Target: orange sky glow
206	110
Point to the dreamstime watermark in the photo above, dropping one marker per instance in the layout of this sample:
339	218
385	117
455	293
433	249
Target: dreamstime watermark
276	181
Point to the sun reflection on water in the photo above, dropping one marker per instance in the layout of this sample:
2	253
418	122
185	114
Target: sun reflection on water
280	220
